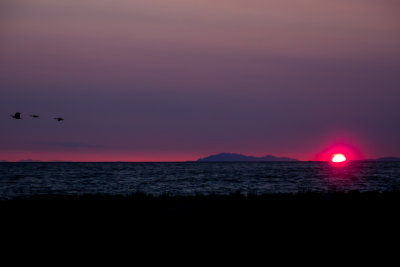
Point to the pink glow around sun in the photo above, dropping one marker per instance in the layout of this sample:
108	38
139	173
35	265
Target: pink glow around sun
339	153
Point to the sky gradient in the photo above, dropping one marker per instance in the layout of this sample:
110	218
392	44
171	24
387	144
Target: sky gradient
154	80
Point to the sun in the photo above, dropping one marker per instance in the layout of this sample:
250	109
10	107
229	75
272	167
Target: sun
338	158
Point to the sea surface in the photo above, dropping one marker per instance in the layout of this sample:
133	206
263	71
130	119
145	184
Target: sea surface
191	178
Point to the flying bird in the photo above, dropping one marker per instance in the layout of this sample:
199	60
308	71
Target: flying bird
17	116
35	116
59	119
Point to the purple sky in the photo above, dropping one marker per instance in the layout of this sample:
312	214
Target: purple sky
182	79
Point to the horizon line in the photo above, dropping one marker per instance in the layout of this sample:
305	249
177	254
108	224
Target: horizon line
186	161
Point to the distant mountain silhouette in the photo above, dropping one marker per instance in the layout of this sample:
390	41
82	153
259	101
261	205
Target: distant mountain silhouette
3	160
29	160
385	159
239	157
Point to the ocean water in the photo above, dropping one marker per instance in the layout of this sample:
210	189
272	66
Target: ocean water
191	178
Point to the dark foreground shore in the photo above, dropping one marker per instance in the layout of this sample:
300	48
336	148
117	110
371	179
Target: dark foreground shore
269	219
269	207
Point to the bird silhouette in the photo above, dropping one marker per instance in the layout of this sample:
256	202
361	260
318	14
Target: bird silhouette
35	116
59	119
17	116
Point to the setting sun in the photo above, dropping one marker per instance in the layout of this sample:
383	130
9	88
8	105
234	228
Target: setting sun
338	158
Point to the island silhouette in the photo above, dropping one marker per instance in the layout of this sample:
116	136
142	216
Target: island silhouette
227	157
